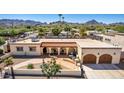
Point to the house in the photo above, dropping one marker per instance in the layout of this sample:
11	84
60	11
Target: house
89	51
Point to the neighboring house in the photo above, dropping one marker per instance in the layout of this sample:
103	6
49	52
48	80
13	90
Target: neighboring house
89	51
116	40
64	34
90	33
111	32
76	35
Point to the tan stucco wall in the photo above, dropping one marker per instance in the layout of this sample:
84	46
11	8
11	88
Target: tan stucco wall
25	50
79	51
115	58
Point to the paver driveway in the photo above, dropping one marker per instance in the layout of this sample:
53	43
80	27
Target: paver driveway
103	71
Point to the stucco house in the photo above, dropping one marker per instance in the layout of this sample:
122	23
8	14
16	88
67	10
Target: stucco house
89	51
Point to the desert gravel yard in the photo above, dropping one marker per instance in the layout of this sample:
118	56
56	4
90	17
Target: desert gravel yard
103	71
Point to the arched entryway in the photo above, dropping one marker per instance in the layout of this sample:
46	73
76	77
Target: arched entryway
44	50
105	59
89	59
62	51
72	51
54	51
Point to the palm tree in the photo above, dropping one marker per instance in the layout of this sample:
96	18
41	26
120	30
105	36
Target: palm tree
63	19
60	15
50	69
8	62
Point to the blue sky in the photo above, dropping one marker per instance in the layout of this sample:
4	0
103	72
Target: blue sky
106	18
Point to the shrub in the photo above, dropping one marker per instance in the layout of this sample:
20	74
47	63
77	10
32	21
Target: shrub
30	66
2	41
1	51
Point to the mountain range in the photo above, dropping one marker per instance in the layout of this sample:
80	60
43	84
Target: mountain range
16	22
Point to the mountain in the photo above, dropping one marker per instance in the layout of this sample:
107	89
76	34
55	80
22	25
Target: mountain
17	22
118	23
94	22
58	22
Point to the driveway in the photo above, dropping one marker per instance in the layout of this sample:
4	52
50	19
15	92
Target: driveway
103	71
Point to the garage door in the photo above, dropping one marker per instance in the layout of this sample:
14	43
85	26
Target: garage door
89	59
105	59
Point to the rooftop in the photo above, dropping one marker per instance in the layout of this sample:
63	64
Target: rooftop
88	43
83	43
46	40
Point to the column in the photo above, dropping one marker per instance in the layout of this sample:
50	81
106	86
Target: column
49	50
97	60
59	51
41	50
67	49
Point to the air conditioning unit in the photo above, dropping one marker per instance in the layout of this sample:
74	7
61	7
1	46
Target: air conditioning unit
35	40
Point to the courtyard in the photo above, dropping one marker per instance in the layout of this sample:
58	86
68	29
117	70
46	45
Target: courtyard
66	63
92	71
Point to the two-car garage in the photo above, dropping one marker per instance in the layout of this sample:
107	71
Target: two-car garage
92	59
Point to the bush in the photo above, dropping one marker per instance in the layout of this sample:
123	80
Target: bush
56	31
1	51
2	41
30	66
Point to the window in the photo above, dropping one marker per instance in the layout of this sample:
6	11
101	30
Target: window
32	49
19	48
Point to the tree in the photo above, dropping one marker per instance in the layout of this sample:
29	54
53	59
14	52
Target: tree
100	28
63	19
2	41
28	27
50	69
67	29
8	62
13	33
56	31
83	32
41	31
60	15
119	28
